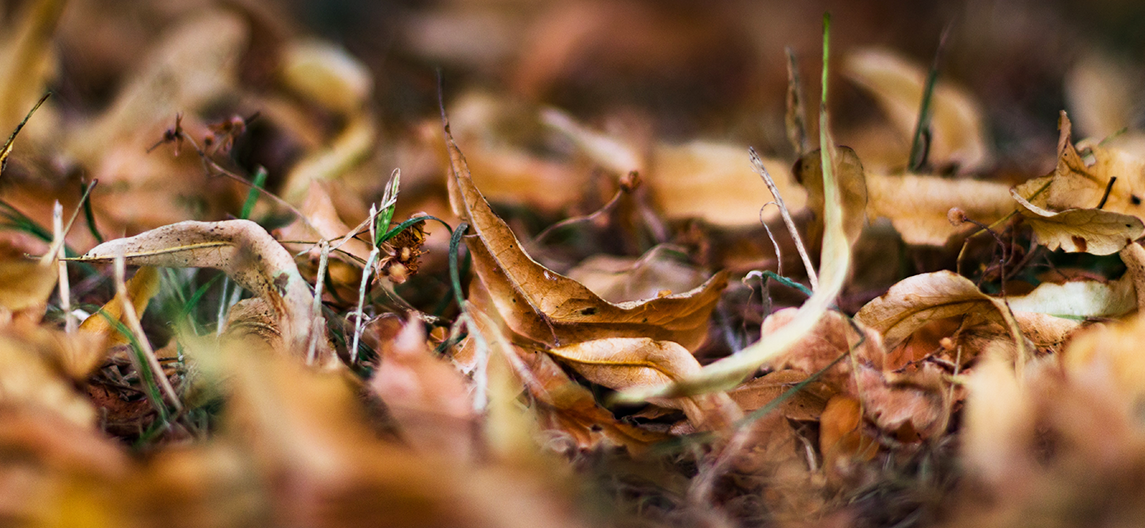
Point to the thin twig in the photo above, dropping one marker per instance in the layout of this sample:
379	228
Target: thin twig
757	163
64	285
132	319
319	322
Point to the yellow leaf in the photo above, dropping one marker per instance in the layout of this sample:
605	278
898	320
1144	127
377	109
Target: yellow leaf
1090	231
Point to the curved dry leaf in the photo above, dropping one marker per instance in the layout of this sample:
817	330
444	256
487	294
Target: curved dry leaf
917	205
701	179
959	133
550	308
1079	299
622	363
240	248
852	183
1075	185
1116	347
835	264
1090	231
27	63
917	300
30	377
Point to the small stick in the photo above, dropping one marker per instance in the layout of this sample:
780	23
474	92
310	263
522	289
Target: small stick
136	328
64	285
316	328
762	171
362	288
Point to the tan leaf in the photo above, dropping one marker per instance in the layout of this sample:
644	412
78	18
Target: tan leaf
911	303
959	133
1099	92
1090	231
26	284
835	263
638	363
917	205
701	179
1076	185
1079	299
245	252
140	289
842	440
550	308
852	184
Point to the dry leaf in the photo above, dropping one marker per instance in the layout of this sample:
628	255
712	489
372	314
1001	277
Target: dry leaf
428	397
852	184
917	205
1078	299
1090	231
246	253
842	440
1076	185
916	300
140	289
701	179
959	134
547	307
638	363
805	405
835	263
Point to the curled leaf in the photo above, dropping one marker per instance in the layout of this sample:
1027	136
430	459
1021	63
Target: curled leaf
550	308
1090	231
637	363
852	183
917	300
240	248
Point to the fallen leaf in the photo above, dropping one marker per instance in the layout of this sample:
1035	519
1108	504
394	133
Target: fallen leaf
959	133
621	279
550	308
428	397
835	263
917	205
246	253
700	179
1076	185
852	185
916	300
638	363
805	405
1090	231
1079	299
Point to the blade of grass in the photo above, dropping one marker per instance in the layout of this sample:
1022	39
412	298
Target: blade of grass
88	214
252	196
918	147
7	149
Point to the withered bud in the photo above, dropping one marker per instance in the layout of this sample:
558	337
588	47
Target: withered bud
956	216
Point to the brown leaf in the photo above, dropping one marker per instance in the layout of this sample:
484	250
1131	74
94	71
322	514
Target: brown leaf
550	308
1090	231
621	279
428	397
701	179
911	303
959	133
805	405
1076	185
637	363
917	205
246	253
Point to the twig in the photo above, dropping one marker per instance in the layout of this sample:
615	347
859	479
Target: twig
757	163
132	319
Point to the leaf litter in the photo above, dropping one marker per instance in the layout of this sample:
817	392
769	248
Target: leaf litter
299	297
